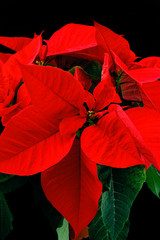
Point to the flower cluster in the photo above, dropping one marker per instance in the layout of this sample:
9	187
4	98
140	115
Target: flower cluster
79	99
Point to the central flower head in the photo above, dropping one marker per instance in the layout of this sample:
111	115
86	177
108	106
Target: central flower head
91	113
91	118
39	62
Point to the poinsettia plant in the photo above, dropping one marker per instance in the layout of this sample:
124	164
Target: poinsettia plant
81	122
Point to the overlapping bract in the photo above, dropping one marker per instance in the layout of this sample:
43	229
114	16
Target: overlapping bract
64	123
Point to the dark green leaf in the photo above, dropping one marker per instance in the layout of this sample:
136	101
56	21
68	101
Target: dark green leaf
72	70
116	203
6	218
94	70
49	64
153	180
97	229
124	233
104	174
12	183
5	177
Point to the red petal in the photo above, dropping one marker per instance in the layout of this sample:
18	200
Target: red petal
30	143
140	75
83	78
23	97
130	88
132	80
147	122
4	84
27	55
109	40
43	52
106	96
71	125
114	141
73	38
151	95
23	100
5	56
9	112
58	90
150	62
105	92
144	75
73	180
15	43
29	52
93	53
89	100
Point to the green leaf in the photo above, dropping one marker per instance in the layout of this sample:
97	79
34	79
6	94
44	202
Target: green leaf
5	177
49	64
153	180
125	184
6	218
72	70
11	183
124	233
94	70
63	231
97	229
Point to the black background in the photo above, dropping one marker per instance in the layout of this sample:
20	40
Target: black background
139	22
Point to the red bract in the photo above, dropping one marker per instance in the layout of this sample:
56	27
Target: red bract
111	41
75	181
64	128
15	43
11	77
140	82
75	40
150	90
39	123
42	135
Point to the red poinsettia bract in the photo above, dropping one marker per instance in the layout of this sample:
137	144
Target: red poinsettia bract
42	134
64	130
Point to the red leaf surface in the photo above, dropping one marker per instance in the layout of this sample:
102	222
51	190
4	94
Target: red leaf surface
130	88
93	53
151	95
144	75
133	80
147	123
5	56
70	125
54	92
30	143
114	141
71	38
3	84
75	180
141	74
84	79
76	40
153	62
105	93
23	100
11	69
110	41
11	77
15	43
